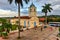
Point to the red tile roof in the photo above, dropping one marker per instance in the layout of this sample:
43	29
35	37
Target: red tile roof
22	17
41	19
25	17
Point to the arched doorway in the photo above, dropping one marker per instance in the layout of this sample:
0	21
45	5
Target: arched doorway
34	24
24	24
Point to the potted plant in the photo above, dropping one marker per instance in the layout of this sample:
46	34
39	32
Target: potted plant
1	29
4	35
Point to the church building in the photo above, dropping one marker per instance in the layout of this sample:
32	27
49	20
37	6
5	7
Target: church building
29	21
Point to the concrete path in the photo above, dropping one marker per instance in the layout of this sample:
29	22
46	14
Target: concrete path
32	34
1	38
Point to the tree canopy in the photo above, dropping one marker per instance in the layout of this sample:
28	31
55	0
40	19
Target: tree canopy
19	2
47	8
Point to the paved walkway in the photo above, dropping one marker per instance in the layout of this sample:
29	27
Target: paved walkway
32	34
1	38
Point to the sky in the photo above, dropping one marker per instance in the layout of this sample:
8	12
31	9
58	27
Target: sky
7	10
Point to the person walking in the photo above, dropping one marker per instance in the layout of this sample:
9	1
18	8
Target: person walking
41	28
57	39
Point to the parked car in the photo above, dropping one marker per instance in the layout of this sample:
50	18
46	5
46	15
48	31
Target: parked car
55	24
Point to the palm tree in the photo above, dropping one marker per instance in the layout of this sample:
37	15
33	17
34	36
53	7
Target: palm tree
45	10
20	3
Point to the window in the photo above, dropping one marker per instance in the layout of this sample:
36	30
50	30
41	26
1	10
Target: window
34	24
24	24
28	24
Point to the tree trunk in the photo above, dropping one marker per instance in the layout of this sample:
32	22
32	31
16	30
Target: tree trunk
45	18
19	20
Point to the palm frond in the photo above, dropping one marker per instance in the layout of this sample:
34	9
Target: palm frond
51	8
43	6
49	4
42	10
10	1
26	1
21	3
47	8
15	2
18	1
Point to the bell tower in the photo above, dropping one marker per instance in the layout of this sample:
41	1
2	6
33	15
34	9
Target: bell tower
32	10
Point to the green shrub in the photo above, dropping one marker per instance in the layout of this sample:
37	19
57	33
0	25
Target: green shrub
1	28
14	27
0	34
4	34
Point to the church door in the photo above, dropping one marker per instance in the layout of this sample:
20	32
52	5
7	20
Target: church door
24	24
34	24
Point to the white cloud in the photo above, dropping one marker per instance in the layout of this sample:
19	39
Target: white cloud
4	4
7	13
56	7
11	10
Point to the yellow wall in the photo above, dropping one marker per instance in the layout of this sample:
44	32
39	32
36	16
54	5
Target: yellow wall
31	22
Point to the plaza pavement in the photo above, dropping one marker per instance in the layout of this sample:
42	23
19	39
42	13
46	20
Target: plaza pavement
32	34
